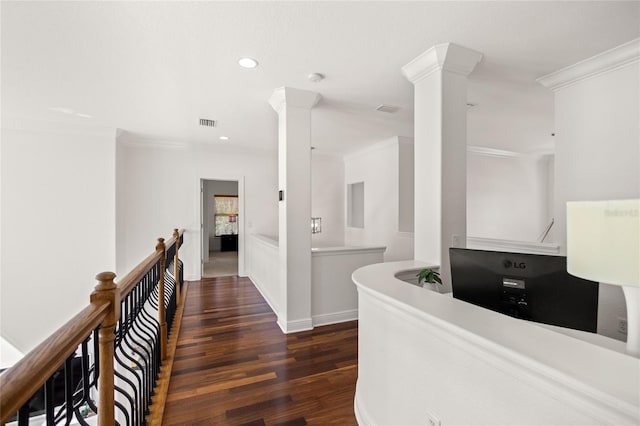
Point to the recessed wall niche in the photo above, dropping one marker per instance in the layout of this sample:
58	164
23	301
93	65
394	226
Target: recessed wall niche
355	205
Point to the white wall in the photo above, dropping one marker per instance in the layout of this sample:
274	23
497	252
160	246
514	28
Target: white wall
406	184
9	354
549	162
597	148
327	199
378	167
598	157
212	188
153	203
507	196
58	226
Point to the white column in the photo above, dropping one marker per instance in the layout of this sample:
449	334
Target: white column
439	76
294	176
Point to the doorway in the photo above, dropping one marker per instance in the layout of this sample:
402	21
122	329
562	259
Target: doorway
220	228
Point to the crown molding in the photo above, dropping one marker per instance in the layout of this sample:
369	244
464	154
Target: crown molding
42	126
602	63
134	140
492	152
446	56
293	97
152	143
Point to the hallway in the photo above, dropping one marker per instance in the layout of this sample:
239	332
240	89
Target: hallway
220	264
234	366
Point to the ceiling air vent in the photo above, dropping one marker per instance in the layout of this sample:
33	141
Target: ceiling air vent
207	123
386	108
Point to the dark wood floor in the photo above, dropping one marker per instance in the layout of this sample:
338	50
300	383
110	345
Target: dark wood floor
234	366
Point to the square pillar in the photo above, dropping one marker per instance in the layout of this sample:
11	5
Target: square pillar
294	179
439	76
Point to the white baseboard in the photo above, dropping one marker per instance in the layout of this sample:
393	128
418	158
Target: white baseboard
295	326
265	295
335	317
362	417
282	325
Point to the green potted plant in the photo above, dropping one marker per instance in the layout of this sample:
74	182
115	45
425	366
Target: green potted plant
430	277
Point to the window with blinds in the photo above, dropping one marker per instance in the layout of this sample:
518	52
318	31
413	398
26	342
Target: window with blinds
226	214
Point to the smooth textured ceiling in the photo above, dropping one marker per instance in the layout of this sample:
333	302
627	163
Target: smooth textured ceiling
155	68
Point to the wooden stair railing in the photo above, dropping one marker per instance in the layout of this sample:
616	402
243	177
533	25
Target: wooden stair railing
129	344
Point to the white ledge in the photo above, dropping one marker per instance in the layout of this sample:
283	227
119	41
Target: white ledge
513	246
332	251
610	60
269	241
603	382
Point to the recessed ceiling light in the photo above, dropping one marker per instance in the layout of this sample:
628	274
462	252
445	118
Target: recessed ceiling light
224	138
387	108
247	62
63	110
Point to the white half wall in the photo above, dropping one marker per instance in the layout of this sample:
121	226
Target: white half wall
428	358
378	167
334	298
152	203
58	226
264	271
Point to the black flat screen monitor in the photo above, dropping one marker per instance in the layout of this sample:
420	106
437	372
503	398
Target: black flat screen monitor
528	286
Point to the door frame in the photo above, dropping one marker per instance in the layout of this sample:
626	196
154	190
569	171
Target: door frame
241	218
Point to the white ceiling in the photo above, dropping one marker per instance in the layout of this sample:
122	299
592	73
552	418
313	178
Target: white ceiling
155	68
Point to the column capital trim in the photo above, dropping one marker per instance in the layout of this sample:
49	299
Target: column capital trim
612	59
446	56
293	97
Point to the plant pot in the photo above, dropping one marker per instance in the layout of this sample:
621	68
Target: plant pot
432	286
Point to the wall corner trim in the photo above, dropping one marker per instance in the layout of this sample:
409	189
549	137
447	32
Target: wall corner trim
610	60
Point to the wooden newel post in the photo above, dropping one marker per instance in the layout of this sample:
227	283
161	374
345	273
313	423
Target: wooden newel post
162	317
107	292
176	265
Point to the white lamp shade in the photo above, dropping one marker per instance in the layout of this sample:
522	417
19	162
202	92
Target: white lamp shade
603	241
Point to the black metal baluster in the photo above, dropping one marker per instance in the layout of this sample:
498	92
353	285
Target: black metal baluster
96	355
48	401
148	322
136	348
68	389
122	346
86	374
23	415
81	395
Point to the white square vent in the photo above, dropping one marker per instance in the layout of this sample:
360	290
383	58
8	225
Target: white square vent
207	123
